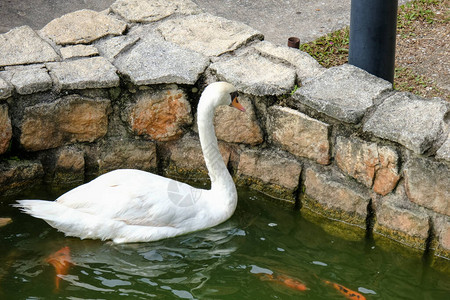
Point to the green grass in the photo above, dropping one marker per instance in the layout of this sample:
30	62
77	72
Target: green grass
332	49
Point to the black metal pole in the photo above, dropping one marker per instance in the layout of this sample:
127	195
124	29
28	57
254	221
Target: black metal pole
373	25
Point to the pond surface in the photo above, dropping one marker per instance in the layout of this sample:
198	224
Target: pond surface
263	252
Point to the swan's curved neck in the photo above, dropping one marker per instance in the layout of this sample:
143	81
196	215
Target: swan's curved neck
218	172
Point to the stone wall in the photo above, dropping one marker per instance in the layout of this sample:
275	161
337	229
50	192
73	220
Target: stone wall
96	91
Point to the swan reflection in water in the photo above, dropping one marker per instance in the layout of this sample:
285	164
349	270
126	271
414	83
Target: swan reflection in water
178	266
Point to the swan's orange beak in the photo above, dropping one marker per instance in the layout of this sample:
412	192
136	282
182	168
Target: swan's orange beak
235	103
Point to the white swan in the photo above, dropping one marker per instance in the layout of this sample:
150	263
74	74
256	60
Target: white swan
136	206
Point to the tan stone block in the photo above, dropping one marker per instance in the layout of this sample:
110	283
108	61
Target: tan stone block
67	120
368	163
299	134
234	126
5	129
427	183
185	156
402	220
160	115
335	196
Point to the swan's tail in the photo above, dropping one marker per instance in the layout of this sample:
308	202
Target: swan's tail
46	210
68	220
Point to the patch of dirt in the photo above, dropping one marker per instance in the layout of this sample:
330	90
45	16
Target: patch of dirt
423	48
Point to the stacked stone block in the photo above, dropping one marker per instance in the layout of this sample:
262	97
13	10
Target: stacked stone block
97	91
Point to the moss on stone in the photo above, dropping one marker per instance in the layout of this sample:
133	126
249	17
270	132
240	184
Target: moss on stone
279	193
335	214
401	237
334	227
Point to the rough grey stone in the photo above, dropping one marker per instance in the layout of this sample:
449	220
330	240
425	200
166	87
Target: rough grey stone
409	120
82	27
22	45
250	74
110	48
444	151
5	88
145	11
332	194
427	183
305	66
299	134
154	61
78	51
95	72
344	92
207	34
29	79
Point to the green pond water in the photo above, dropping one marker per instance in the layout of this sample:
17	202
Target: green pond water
263	252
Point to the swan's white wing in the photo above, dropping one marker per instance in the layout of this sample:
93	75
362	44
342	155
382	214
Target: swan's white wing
133	197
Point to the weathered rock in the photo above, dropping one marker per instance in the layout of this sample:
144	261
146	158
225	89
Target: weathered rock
29	79
82	27
402	220
22	45
427	183
5	221
234	126
112	47
185	157
5	88
444	151
161	115
155	61
69	166
145	11
208	34
344	92
305	65
331	194
17	174
67	120
271	172
249	74
78	51
299	134
409	120
441	226
86	73
122	154
370	164
5	129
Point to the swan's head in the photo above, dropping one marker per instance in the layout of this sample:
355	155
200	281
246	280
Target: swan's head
221	93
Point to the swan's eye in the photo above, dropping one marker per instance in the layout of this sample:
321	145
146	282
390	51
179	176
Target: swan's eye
234	96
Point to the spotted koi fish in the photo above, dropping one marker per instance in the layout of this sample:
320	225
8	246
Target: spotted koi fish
348	293
286	281
61	261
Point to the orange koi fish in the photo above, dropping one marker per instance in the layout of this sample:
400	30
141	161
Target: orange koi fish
348	293
286	281
61	261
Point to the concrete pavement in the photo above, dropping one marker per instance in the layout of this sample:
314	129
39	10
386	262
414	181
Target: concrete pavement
276	19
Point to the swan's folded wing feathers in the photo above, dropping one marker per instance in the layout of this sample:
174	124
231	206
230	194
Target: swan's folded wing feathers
131	196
